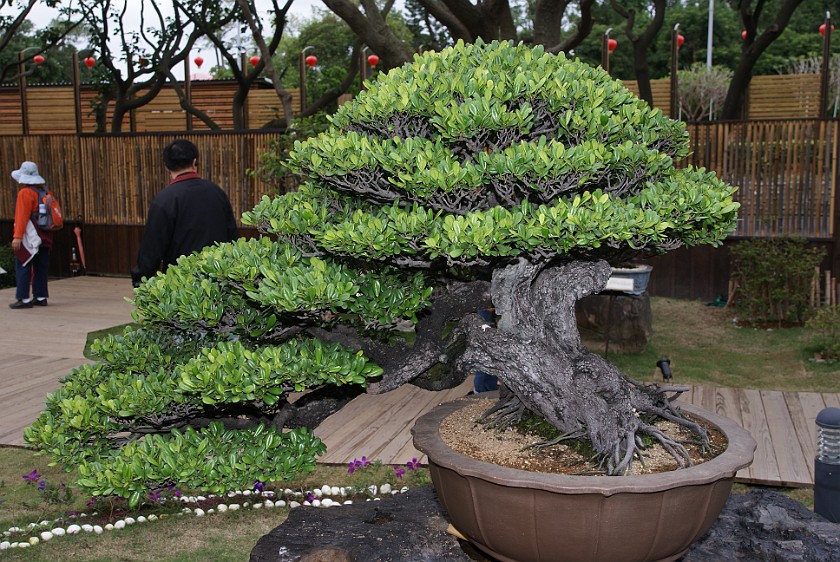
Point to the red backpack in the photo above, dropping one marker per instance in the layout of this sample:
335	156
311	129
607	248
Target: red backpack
49	215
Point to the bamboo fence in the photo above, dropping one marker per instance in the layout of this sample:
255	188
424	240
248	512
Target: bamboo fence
786	171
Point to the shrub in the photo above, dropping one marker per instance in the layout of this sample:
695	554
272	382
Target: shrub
703	90
7	262
826	326
774	277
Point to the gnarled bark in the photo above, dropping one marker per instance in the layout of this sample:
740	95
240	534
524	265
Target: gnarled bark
536	351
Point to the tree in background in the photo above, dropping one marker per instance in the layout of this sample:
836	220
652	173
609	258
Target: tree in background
137	69
641	41
215	18
763	28
17	33
469	21
702	91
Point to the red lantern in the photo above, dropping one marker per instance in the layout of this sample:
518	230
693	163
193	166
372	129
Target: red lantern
744	34
255	60
373	60
611	45
311	60
822	29
89	62
198	61
37	59
680	41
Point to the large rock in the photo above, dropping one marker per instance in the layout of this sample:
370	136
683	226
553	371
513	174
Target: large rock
762	526
758	526
409	527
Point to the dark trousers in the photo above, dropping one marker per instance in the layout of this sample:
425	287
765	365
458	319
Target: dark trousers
41	265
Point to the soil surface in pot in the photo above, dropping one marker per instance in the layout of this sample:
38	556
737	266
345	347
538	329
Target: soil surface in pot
513	448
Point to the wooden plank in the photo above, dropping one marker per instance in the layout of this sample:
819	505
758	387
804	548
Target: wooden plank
765	468
728	404
803	424
790	458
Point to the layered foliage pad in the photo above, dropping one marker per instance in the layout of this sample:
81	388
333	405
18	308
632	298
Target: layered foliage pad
485	152
220	340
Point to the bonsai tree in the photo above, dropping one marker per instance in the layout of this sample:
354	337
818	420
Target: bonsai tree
487	174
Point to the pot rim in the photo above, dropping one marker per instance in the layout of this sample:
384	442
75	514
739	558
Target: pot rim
738	454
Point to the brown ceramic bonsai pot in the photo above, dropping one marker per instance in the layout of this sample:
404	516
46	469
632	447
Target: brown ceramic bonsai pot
516	515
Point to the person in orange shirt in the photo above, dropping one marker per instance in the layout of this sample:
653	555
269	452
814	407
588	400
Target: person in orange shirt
26	206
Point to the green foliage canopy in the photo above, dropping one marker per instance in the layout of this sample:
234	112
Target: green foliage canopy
487	152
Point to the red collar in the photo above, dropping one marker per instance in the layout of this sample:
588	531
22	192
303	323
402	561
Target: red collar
184	177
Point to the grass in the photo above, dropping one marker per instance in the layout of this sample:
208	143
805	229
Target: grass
217	537
705	346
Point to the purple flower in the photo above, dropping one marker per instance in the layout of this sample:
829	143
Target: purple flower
91	502
309	497
177	493
356	464
154	496
259	486
32	476
42	484
399	471
413	464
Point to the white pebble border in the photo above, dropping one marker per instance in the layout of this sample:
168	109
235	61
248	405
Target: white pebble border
326	496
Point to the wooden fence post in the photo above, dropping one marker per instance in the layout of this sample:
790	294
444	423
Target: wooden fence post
826	68
835	248
675	97
24	111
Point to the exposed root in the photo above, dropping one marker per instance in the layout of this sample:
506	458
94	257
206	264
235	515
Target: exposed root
559	439
506	413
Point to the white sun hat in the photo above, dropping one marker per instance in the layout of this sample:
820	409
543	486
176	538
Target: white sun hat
28	174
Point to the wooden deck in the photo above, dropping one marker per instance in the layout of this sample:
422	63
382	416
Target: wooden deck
40	345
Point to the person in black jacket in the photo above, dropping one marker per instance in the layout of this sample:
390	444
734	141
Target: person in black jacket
189	214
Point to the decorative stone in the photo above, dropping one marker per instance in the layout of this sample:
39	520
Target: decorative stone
119	524
46	535
58	532
5	545
199	512
74	529
233	506
109	527
97	529
130	521
385	488
222	508
87	528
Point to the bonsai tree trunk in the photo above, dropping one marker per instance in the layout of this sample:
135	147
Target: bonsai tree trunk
537	352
